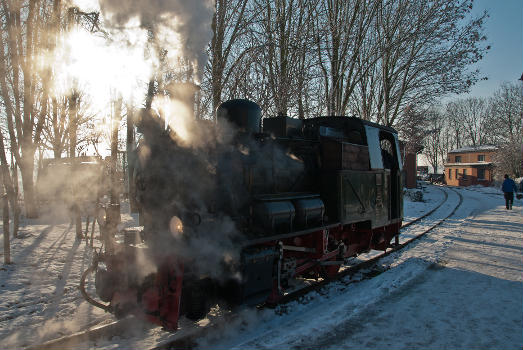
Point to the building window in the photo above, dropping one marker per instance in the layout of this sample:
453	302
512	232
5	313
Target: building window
456	174
481	174
481	158
464	173
450	174
458	159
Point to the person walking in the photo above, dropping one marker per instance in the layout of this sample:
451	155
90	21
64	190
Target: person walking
508	187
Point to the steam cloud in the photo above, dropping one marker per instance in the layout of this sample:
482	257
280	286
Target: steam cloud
203	172
189	20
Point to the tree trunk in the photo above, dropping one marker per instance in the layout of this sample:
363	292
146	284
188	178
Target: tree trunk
9	189
13	198
27	170
113	211
115	195
5	217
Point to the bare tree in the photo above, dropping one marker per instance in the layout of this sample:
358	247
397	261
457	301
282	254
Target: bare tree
21	40
29	32
56	130
280	37
506	111
366	99
472	117
447	140
433	138
413	127
230	22
424	51
341	31
7	192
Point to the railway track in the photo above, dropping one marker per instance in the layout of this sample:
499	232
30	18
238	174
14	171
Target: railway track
187	340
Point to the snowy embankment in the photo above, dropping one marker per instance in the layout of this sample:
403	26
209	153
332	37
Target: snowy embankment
460	287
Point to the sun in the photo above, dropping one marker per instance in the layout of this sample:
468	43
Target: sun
101	68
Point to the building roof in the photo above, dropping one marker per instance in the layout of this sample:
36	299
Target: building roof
482	148
468	164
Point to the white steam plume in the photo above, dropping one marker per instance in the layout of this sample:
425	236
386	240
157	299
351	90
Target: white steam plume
189	20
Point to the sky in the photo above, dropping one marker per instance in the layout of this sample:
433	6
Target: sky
504	31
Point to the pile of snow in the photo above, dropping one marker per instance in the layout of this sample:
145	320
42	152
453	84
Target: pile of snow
412	209
414	195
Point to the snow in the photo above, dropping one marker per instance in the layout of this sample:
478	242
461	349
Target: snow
431	197
461	286
475	149
469	164
40	296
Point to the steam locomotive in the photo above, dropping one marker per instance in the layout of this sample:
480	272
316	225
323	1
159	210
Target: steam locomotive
239	218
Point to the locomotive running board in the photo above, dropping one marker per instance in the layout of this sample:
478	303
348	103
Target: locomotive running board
298	249
288	235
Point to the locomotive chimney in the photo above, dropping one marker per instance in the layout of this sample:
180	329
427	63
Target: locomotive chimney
243	114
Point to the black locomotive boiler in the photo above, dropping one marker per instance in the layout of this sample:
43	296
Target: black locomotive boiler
241	216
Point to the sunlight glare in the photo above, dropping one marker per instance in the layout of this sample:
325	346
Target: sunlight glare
103	68
178	116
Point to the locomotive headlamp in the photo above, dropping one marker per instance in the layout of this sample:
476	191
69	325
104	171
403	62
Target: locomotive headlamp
176	226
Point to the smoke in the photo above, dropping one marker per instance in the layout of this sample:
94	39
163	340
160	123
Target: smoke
177	187
176	112
64	187
136	41
176	25
196	179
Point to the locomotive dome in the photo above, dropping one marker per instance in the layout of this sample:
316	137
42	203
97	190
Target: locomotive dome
244	114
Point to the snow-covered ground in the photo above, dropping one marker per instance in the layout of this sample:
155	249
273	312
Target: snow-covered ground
431	196
459	287
40	299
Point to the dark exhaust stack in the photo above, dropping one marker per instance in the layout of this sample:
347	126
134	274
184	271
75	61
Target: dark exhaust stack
244	114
